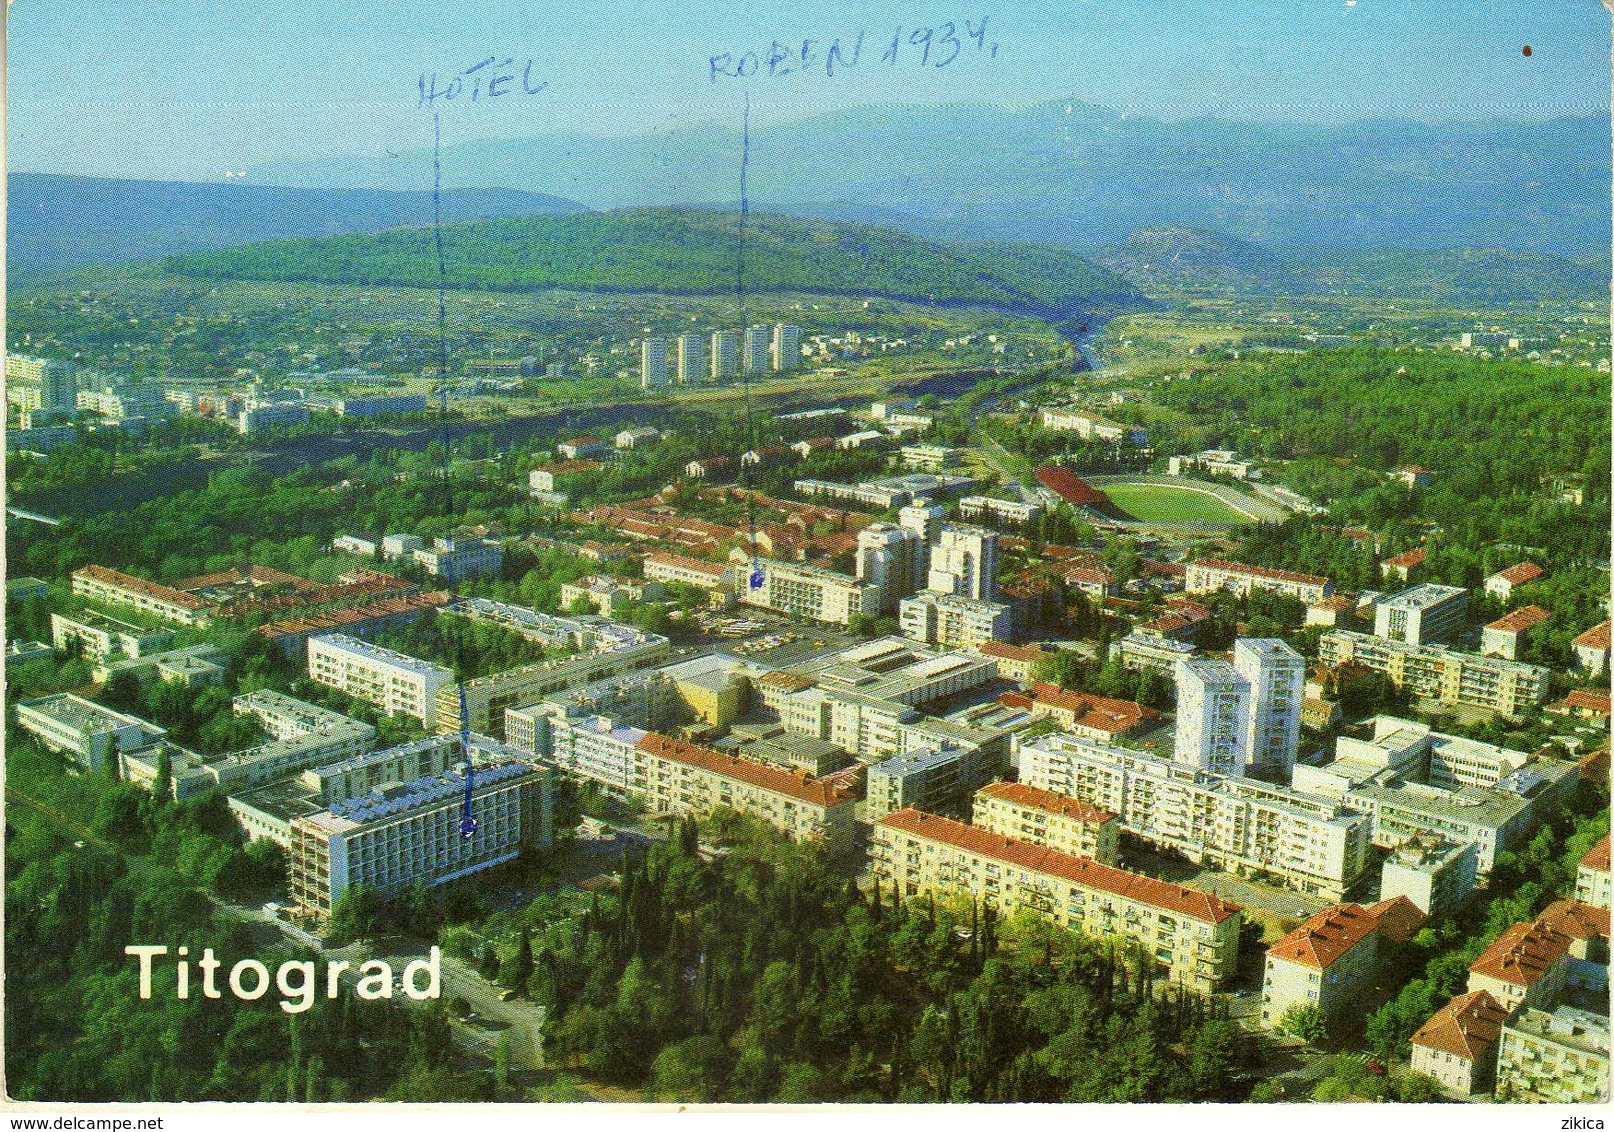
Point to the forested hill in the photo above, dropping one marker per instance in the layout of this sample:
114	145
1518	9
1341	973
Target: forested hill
683	251
57	222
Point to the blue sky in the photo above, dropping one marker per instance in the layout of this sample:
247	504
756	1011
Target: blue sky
182	91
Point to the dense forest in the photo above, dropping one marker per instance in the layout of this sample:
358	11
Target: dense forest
760	974
1495	434
679	251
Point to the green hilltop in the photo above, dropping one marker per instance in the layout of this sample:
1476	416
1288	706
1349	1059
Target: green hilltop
681	251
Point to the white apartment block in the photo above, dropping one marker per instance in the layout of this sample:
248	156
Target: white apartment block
394	682
407	834
1439	673
258	416
451	560
105	638
1310	843
1592	878
1091	426
784	348
1191	934
653	371
1208	575
1213	716
1424	614
725	355
757	349
692	367
978	508
595	747
964	562
812	592
83	730
928	457
1277	677
1554	1057
954	622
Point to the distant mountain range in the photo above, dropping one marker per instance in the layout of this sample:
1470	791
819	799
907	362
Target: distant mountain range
1156	259
1078	176
685	251
56	222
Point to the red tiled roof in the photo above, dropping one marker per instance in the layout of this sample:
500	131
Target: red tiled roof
580	442
1408	558
1468	1026
1575	919
1096	712
1322	940
1587	699
1522	954
1088	576
715	569
570	467
133	584
1022	795
1594	638
1081	870
1520	619
1259	571
1596	857
797	784
1520	573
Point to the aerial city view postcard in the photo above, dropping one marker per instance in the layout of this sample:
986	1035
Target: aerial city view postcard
637	559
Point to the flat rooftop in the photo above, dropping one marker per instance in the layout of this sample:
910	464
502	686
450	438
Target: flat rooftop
364	650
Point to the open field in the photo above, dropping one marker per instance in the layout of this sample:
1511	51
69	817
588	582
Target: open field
1157	503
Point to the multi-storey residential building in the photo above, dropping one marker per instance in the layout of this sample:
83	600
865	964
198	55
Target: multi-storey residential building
261	415
86	732
1414	781
1213	716
784	348
1139	650
119	402
455	559
1501	583
891	557
1211	574
1091	426
983	508
757	350
1425	614
692	367
1067	825
964	562
928	457
102	584
1457	1045
1333	959
1439	673
1277	677
1309	843
1591	649
1015	662
683	778
1592	879
953	622
595	747
1214	461
40	383
615	650
1189	933
191	667
392	681
653	371
1528	963
689	572
812	592
725	355
1503	636
103	638
937	778
1586	928
1436	874
411	834
1559	1057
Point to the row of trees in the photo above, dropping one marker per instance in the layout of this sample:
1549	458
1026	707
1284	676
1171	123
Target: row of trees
764	975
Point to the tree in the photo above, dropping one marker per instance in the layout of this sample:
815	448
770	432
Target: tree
162	785
1306	1021
516	970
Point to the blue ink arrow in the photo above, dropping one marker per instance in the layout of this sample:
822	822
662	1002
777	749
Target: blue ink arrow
467	819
